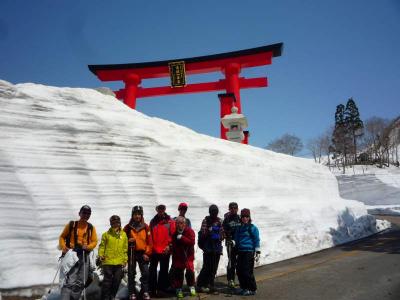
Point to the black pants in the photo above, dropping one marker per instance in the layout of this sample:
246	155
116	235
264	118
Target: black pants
160	282
230	271
111	281
209	269
245	270
144	271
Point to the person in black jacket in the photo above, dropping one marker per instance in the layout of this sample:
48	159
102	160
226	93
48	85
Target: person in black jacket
230	224
210	239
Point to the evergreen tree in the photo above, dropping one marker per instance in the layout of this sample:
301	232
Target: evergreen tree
340	137
353	123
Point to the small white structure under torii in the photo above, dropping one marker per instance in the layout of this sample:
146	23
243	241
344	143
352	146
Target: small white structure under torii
235	123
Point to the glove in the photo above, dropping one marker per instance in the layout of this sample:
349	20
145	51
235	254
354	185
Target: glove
125	269
178	237
257	256
230	243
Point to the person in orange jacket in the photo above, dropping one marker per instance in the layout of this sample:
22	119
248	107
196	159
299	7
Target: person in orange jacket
162	229
139	251
81	237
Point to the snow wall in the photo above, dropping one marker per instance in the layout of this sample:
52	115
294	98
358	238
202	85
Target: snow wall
61	148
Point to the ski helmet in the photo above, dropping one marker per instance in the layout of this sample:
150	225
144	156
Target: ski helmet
85	208
115	218
137	209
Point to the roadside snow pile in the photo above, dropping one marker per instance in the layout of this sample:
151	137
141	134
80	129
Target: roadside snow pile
61	148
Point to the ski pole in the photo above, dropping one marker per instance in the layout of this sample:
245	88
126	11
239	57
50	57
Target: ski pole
131	270
229	250
84	275
55	276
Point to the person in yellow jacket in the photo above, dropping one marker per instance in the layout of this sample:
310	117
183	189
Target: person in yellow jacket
113	253
81	237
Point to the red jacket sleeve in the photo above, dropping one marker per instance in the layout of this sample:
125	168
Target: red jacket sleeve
188	238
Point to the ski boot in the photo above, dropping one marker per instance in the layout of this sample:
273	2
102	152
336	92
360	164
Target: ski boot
132	297
192	291
179	293
231	284
146	296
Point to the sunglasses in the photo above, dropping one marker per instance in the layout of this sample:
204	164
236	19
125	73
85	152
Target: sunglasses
245	216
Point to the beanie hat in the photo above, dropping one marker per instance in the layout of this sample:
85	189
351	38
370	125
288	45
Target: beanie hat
233	205
245	212
161	206
115	218
137	209
213	209
182	205
85	208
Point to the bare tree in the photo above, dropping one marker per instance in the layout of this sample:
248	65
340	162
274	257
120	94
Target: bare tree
287	144
326	141
320	146
312	145
375	137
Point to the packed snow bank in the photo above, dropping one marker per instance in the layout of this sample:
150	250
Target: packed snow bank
61	148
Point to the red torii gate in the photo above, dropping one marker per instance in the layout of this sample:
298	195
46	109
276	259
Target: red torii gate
230	64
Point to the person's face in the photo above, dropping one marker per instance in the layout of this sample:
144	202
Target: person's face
182	211
233	210
137	217
214	213
180	225
116	224
245	219
84	215
161	211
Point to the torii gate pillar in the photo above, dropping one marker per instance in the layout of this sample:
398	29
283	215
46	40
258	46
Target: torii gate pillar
132	82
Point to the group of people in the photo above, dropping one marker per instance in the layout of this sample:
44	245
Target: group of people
150	246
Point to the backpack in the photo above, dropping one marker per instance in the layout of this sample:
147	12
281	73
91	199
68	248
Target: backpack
202	238
73	226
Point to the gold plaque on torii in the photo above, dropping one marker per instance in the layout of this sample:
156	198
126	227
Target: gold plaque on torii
177	73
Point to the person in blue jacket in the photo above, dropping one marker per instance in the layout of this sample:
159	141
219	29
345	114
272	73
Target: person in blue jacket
247	243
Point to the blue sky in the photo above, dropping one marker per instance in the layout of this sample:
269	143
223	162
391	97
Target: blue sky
333	50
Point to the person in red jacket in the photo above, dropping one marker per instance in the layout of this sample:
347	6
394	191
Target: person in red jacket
162	229
183	242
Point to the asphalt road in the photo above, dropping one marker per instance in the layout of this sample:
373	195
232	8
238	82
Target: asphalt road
366	270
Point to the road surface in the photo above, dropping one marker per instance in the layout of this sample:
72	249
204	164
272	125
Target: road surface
368	269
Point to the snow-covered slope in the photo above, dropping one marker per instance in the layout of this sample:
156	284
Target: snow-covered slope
61	148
